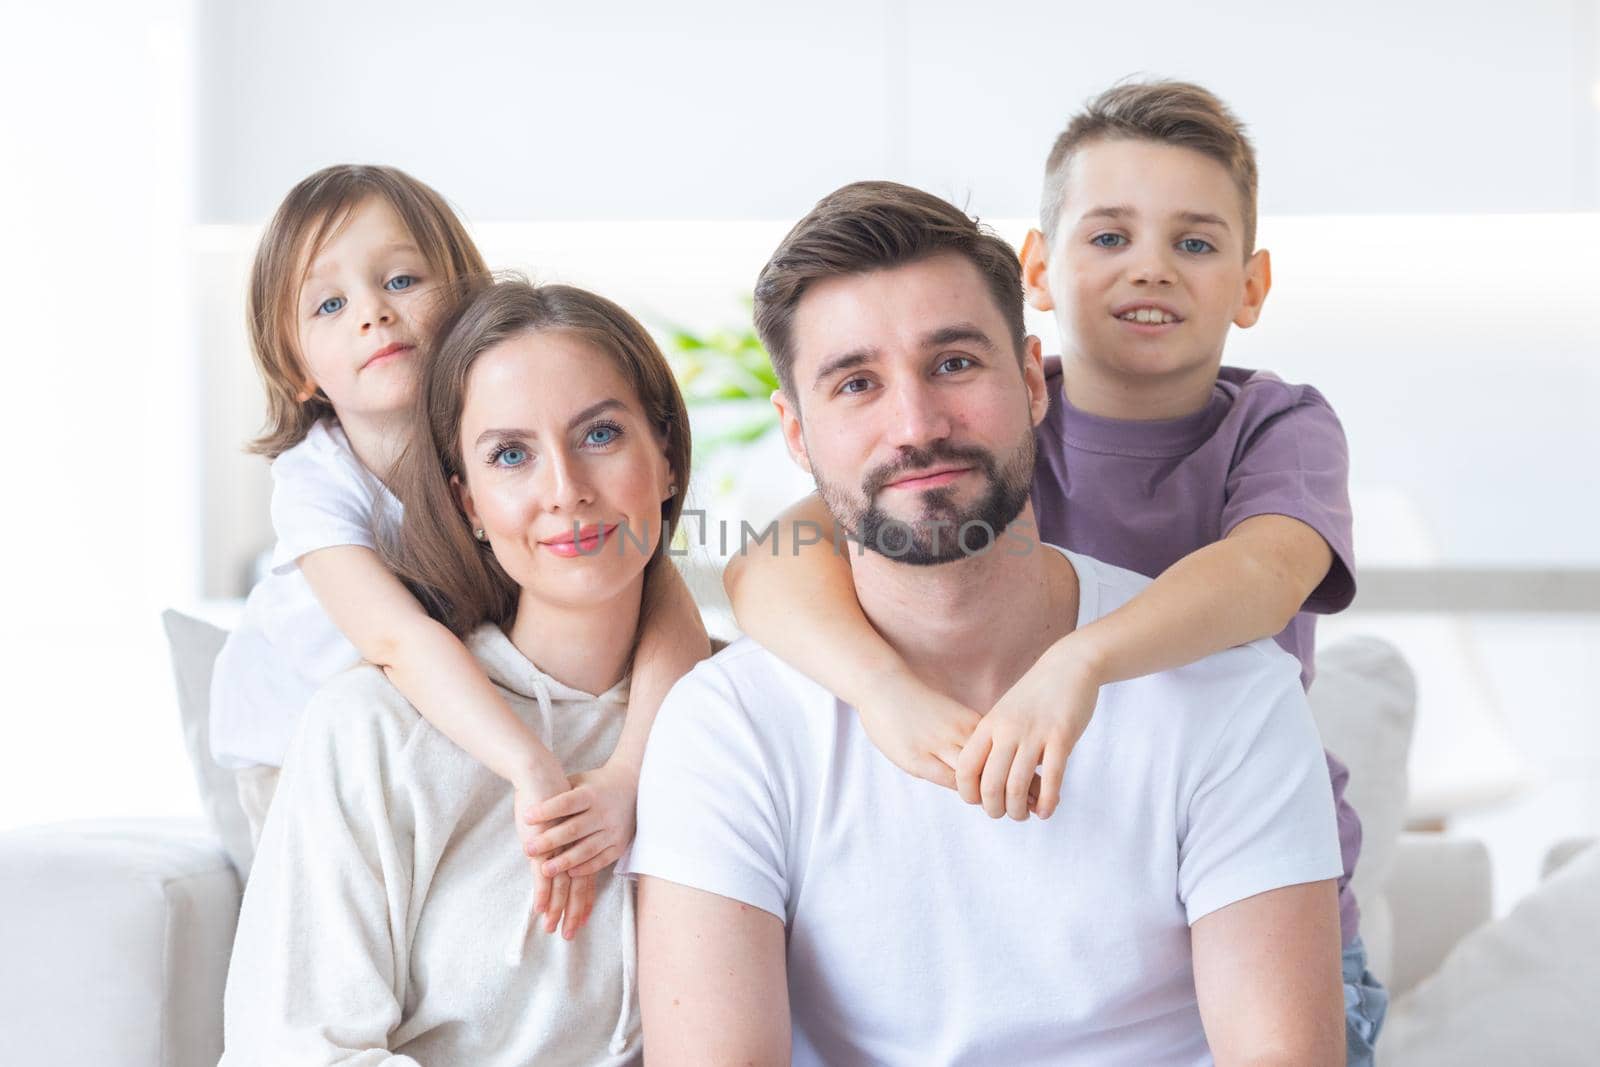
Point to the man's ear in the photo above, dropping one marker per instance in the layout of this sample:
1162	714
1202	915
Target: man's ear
794	434
1036	271
463	497
1033	377
1257	283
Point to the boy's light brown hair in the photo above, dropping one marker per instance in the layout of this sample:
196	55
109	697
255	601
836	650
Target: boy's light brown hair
457	577
307	218
876	225
1166	112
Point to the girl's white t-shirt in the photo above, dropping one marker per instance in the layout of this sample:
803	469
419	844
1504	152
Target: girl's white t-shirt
286	646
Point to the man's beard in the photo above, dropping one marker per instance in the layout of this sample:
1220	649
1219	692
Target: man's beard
942	532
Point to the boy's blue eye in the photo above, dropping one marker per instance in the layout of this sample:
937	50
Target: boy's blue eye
399	282
1195	246
1108	240
330	305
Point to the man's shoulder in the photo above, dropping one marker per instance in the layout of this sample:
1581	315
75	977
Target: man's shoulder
743	686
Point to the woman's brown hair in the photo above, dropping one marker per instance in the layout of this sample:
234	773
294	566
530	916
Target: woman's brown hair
456	577
308	217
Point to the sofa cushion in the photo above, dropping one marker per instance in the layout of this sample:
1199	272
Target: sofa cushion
194	645
1364	701
1518	990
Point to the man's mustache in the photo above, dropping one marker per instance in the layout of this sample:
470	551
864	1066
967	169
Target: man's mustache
914	459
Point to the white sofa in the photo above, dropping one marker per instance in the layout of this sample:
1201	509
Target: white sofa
117	933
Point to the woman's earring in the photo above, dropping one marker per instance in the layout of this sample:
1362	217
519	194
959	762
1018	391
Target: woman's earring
672	490
481	535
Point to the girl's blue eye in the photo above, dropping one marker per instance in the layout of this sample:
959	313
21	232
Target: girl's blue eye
399	282
602	434
1108	240
1195	246
330	305
508	456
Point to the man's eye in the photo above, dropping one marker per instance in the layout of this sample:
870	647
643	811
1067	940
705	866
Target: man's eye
955	363
330	305
851	387
1195	246
1108	240
399	282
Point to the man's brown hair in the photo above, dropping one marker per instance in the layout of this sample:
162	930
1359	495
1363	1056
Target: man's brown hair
307	218
1166	112
456	577
868	226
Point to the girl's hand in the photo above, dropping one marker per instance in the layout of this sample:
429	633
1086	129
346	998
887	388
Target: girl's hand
1036	724
542	780
589	826
921	731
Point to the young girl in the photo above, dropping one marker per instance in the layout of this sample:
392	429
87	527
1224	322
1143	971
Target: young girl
344	288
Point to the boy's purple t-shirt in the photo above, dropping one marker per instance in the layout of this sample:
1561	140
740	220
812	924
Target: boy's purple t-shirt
1143	495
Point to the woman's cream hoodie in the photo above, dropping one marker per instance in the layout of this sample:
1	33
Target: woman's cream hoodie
388	918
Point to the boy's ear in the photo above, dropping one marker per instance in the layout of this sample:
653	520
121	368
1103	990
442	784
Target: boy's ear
1036	271
1033	377
794	434
1257	283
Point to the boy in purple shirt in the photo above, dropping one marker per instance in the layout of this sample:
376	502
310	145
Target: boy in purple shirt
1227	486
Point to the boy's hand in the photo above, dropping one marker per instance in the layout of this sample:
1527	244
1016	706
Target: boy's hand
1036	724
921	731
586	829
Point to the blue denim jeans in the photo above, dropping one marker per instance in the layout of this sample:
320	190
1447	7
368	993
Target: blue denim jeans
1366	1002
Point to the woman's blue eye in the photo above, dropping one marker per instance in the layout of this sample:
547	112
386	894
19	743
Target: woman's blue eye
509	456
399	282
1108	240
330	305
1195	246
603	434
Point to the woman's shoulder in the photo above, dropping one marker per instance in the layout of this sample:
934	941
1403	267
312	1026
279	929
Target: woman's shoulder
360	707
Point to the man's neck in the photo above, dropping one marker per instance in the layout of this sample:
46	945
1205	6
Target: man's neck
1137	398
971	628
377	440
587	646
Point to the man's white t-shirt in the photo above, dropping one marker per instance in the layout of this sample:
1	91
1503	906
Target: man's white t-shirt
920	930
286	646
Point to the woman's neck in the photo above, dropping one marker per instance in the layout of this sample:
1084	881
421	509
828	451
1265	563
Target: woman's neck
588	647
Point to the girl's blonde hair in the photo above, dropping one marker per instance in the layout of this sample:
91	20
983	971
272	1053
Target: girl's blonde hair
456	577
308	216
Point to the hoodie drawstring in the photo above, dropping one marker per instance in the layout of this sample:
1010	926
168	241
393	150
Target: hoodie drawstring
541	693
630	966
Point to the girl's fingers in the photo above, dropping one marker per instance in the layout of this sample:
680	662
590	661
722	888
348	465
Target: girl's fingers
559	806
564	833
578	907
580	852
933	769
606	858
560	889
541	890
1019	779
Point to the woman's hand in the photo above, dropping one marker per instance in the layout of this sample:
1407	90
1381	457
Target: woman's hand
920	730
588	827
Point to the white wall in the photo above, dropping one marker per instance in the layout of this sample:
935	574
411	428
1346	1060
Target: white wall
735	110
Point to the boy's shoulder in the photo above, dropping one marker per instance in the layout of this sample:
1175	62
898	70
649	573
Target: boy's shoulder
1263	393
